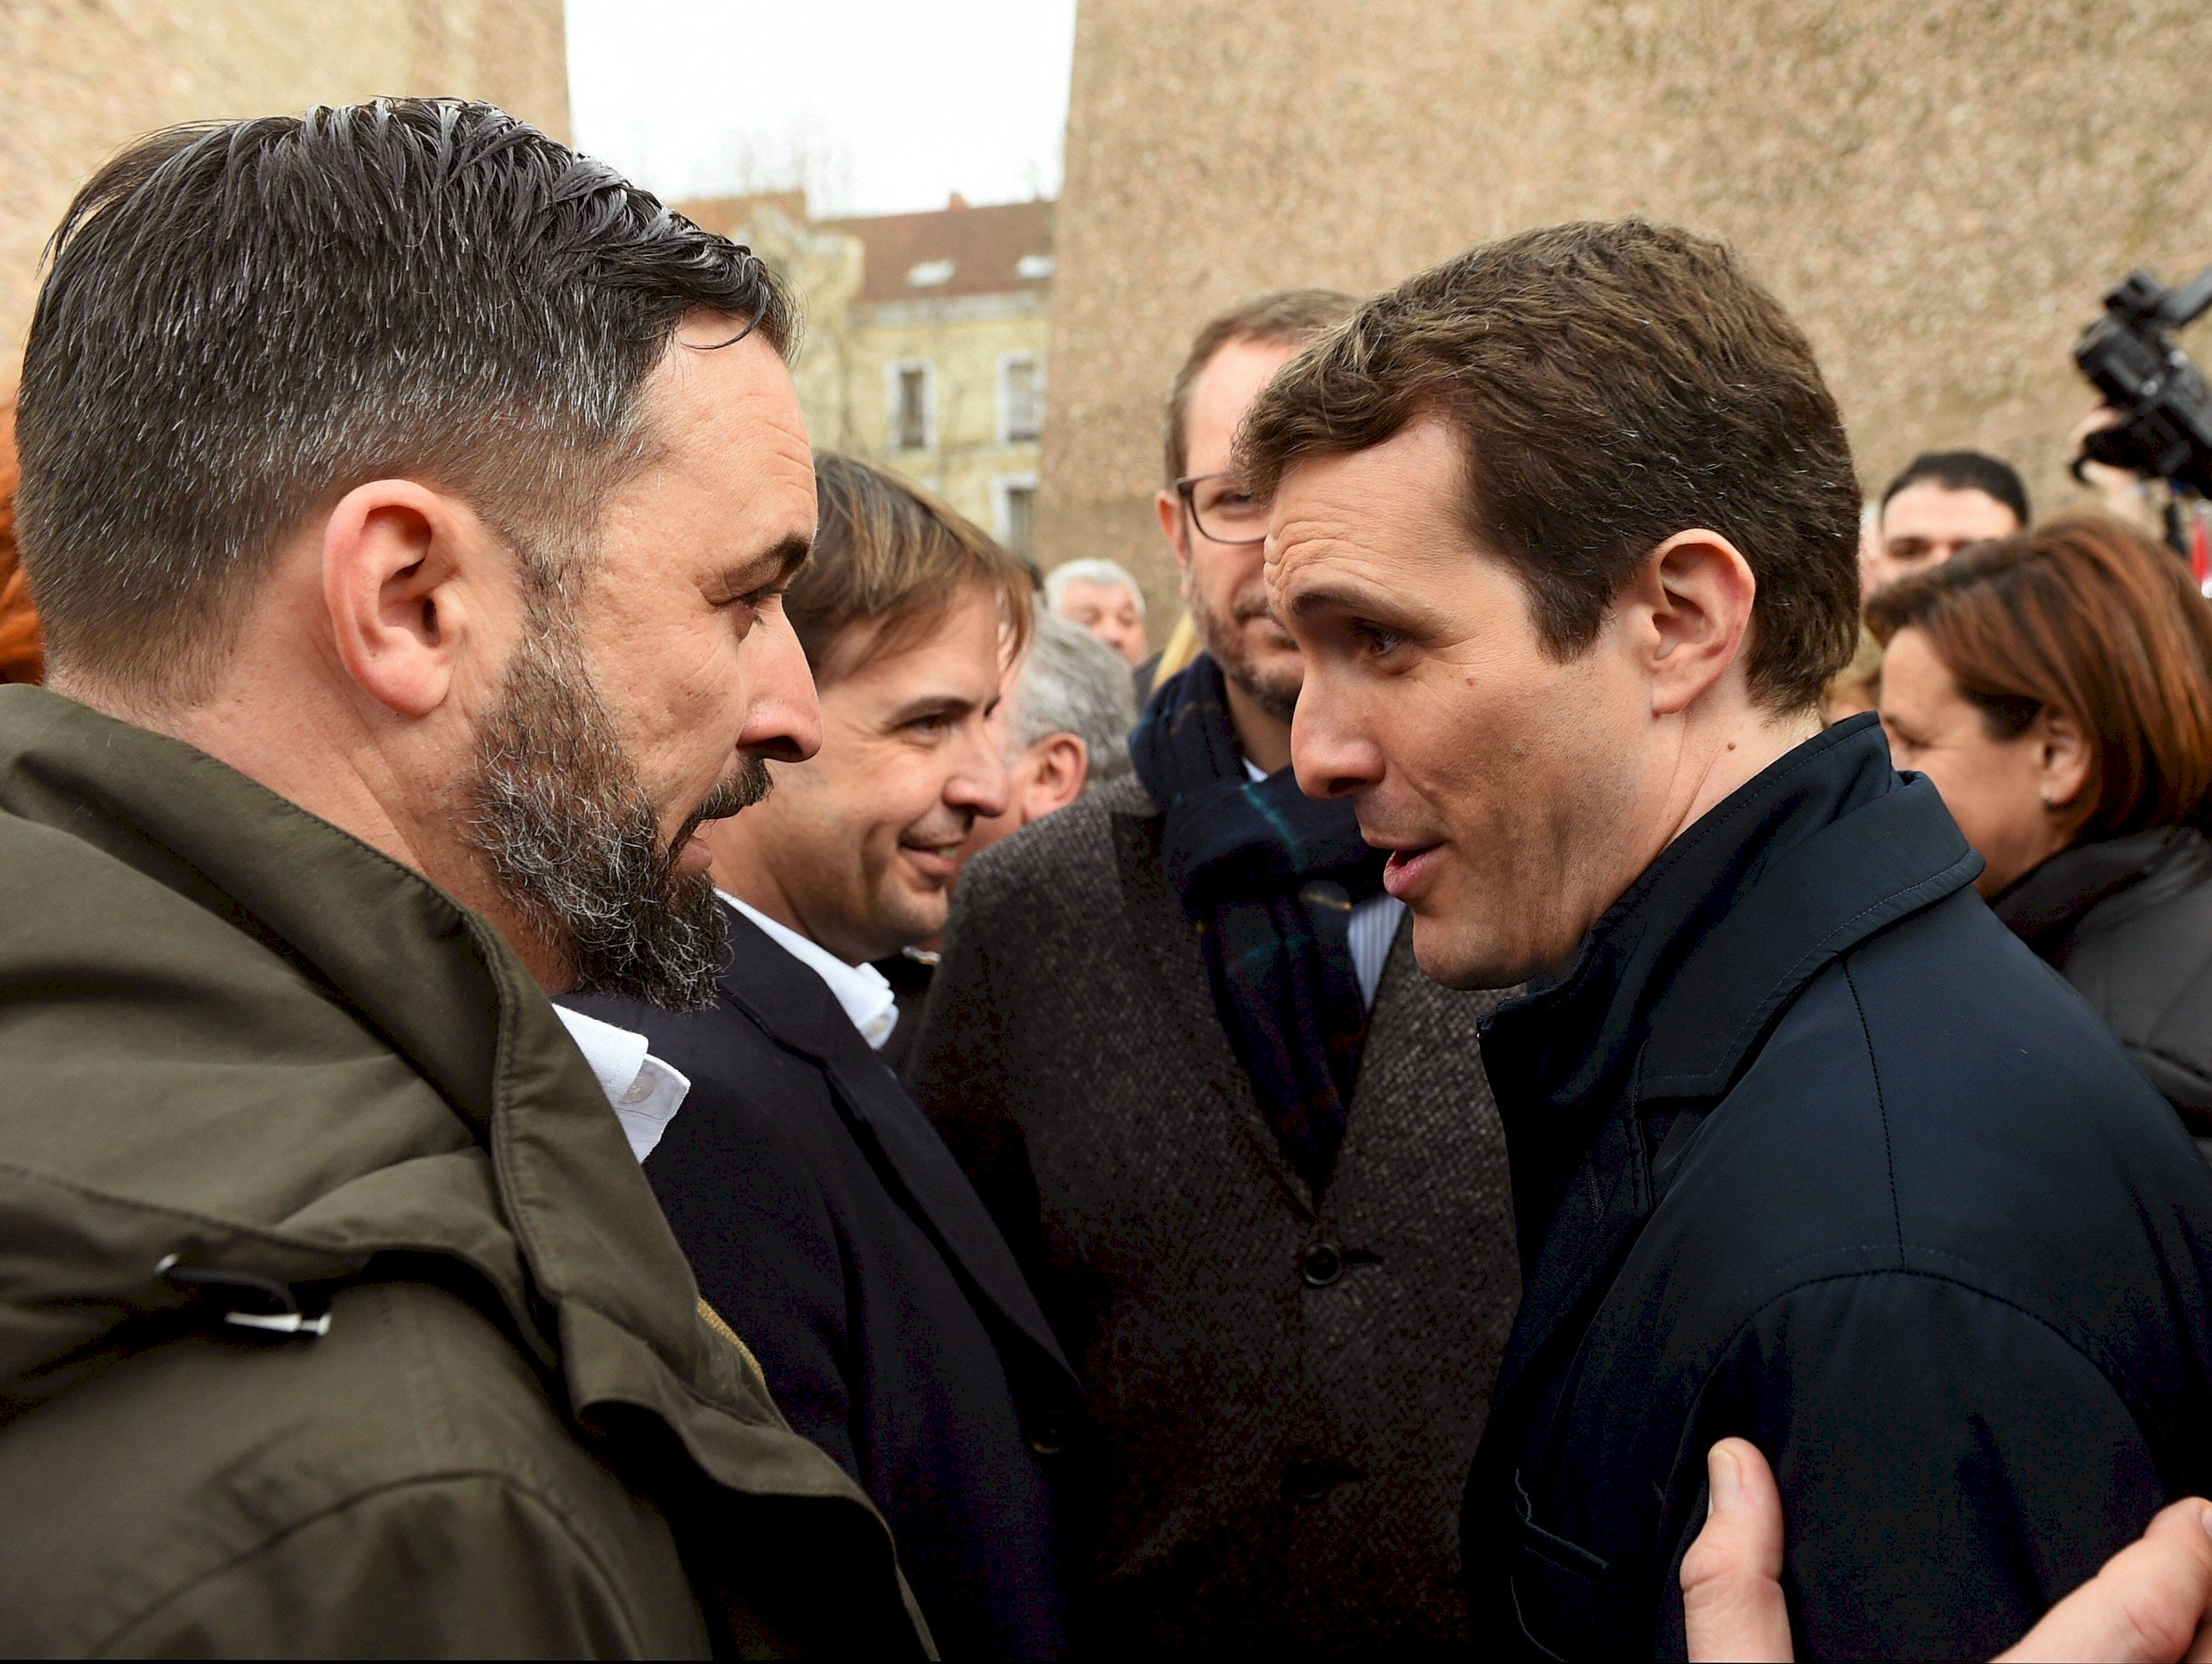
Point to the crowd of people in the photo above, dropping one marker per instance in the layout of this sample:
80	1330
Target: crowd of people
626	1038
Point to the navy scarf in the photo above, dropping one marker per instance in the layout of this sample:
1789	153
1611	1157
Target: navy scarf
1270	876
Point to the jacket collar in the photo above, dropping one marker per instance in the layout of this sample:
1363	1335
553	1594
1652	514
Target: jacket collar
1677	984
798	1013
561	1221
2044	905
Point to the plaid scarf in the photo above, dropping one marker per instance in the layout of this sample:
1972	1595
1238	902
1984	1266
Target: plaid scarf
1270	875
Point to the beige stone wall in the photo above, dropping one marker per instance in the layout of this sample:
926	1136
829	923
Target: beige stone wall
1939	190
83	77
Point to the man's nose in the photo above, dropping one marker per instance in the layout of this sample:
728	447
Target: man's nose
1333	755
980	782
783	720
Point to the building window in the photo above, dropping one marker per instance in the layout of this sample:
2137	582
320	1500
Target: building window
1021	399
911	399
1018	514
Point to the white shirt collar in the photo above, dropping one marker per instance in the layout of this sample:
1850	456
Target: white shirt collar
646	1093
1254	770
860	989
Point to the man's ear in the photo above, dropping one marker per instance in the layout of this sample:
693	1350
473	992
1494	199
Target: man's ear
1173	528
1688	612
391	556
1059	765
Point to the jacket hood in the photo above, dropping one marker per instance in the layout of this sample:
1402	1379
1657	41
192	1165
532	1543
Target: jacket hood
240	1040
242	1047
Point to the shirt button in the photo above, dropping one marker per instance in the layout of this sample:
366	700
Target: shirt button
639	1090
1323	1262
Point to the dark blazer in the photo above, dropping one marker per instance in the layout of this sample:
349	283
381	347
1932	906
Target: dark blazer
825	1221
2128	921
1808	1148
1284	1390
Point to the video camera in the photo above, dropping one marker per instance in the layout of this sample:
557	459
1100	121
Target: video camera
2165	429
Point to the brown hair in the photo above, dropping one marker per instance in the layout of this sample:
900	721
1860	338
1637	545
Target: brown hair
2088	616
22	658
889	560
1612	385
1290	317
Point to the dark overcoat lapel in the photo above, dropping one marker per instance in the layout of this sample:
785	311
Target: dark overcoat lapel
799	1014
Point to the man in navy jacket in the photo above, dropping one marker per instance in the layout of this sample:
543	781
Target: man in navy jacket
821	1212
1805	1147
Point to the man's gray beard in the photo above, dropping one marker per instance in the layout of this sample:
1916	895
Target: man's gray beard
1224	639
555	806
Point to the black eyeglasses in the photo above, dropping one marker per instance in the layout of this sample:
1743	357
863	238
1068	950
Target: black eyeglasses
1222	510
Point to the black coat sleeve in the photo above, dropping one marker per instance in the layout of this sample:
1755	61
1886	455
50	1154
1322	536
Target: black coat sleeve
748	1207
1949	1467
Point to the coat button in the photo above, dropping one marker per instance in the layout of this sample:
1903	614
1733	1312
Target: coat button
1309	1479
1049	1436
1322	1263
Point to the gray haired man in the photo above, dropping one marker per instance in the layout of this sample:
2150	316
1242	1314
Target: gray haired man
1104	598
1067	721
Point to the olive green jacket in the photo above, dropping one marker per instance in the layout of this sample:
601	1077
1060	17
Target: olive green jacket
240	1047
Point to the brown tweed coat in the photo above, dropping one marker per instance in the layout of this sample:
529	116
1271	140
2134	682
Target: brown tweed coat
1285	1391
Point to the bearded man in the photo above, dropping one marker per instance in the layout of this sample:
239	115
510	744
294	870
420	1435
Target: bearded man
408	500
1178	1040
807	1190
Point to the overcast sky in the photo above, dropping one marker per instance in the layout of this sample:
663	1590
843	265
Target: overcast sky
878	107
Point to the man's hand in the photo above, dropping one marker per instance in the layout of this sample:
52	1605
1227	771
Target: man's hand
2121	489
2148	1605
1732	1601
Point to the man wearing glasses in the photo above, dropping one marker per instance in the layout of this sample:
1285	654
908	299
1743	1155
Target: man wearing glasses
1179	1042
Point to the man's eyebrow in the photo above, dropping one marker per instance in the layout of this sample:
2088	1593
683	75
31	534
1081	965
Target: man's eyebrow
932	704
1323	597
771	566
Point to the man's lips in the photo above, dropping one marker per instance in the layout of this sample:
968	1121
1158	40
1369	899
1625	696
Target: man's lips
1409	869
934	861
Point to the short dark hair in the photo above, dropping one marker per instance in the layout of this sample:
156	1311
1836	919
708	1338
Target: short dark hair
243	320
1611	384
1290	318
889	560
1966	470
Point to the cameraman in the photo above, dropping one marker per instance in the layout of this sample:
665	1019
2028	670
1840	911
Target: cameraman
2121	492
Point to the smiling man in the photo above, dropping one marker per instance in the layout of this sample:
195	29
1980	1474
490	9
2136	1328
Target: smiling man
1805	1147
1179	1041
817	1206
409	500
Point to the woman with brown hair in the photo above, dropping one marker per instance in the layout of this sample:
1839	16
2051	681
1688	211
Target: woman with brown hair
2057	687
22	657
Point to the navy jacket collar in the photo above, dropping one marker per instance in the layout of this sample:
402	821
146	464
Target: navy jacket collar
794	1008
1674	988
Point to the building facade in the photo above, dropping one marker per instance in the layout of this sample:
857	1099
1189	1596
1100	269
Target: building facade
925	344
1941	194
